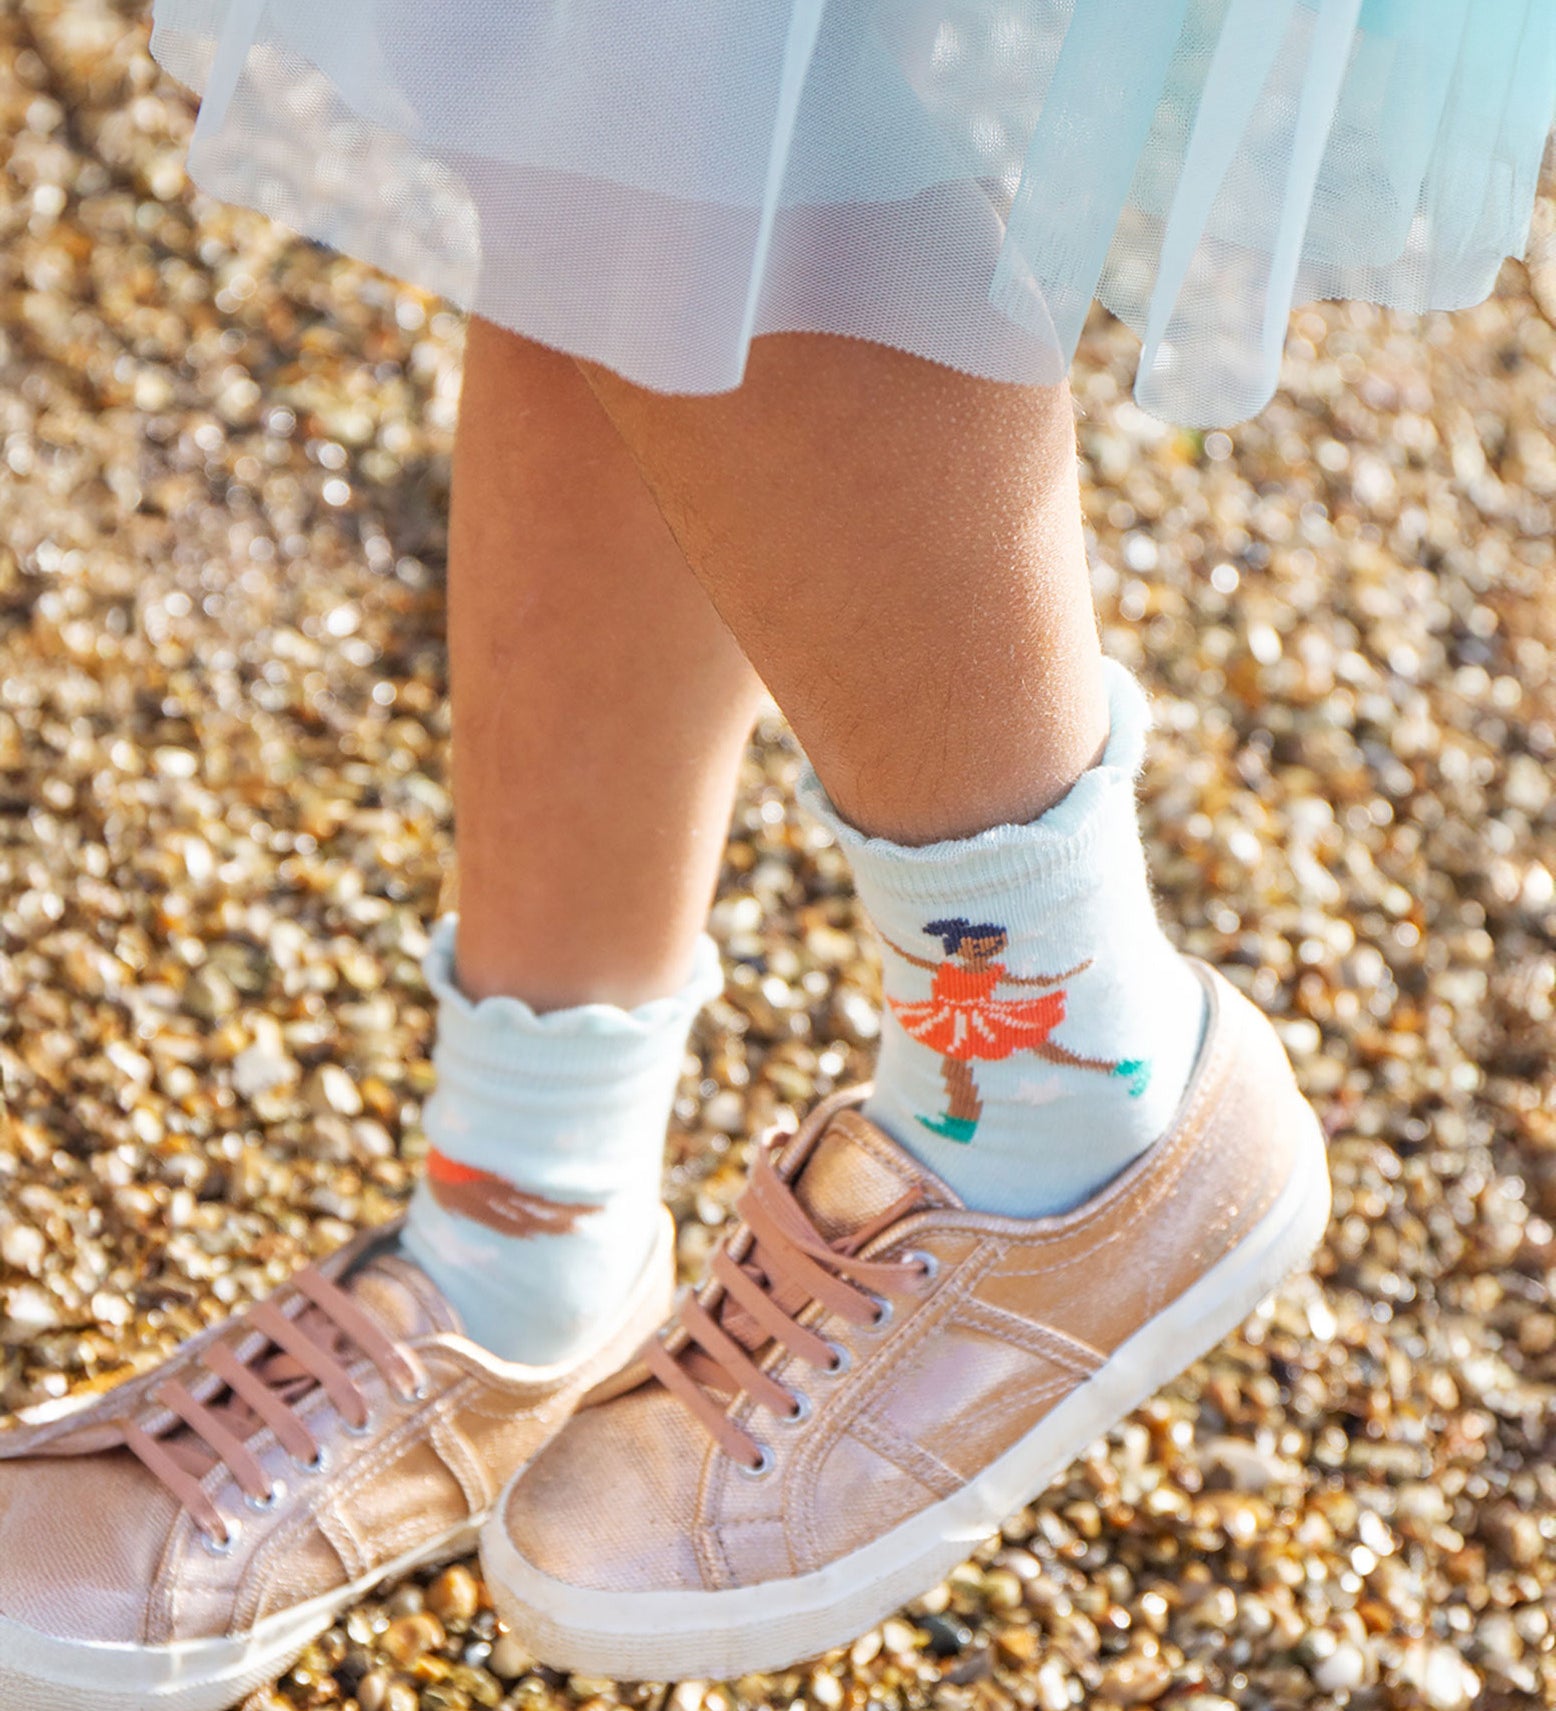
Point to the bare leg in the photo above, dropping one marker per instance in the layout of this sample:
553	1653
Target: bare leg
600	706
898	548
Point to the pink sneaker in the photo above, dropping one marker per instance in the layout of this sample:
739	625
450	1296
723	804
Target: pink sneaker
179	1540
874	1377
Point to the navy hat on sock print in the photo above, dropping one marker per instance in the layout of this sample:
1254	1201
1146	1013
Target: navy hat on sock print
951	933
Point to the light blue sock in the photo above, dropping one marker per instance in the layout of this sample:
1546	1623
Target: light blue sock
541	1201
1039	1027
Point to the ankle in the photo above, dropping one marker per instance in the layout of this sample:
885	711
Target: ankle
1009	782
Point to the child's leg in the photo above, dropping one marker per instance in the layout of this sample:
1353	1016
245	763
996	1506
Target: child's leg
899	550
601	707
600	712
881	1375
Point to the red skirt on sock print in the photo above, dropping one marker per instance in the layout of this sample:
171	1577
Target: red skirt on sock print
962	1018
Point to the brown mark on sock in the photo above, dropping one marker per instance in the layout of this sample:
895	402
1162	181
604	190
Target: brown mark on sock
500	1205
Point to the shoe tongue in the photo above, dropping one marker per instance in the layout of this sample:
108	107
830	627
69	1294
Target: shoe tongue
401	1297
856	1174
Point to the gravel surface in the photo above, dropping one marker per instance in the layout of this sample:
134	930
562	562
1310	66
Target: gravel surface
224	826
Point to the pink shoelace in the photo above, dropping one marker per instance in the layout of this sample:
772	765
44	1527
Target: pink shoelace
310	1350
788	1265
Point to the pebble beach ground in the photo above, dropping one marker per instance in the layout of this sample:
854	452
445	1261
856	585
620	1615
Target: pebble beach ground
224	827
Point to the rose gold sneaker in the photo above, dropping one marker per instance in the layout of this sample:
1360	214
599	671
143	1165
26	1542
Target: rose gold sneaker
874	1377
179	1540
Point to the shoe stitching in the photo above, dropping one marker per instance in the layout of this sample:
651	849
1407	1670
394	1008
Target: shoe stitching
256	1579
342	1486
464	1462
714	1521
1154	1190
1018	1403
340	1534
898	1450
864	1137
872	1375
713	1565
1034	1336
157	1628
496	1411
880	1370
712	1477
752	1524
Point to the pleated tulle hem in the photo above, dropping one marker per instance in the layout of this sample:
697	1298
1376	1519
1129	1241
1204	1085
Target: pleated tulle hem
651	185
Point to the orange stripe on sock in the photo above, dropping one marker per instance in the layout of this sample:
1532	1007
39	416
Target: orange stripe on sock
442	1168
500	1205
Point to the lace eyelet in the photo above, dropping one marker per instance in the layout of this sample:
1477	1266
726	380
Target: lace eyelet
928	1265
365	1430
263	1505
762	1468
842	1360
800	1412
884	1314
419	1392
319	1463
221	1547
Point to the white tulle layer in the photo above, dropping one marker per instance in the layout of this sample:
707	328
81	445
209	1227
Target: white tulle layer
652	183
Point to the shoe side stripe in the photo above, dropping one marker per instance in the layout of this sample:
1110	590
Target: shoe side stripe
906	1456
330	1517
1068	1353
460	1456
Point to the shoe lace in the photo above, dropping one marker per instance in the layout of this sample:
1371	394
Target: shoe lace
294	1356
786	1266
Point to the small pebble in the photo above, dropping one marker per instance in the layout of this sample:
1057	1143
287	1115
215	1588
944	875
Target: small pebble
1017	1646
509	1660
381	1691
455	1596
946	1636
1342	1671
407	1637
826	1690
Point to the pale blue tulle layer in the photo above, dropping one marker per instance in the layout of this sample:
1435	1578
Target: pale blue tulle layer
653	183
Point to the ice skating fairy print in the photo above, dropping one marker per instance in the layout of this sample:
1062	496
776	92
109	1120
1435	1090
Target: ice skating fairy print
967	1023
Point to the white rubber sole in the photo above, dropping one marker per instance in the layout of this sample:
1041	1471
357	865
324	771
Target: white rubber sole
41	1673
670	1636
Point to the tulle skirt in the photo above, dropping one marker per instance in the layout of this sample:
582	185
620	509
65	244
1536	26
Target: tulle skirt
653	183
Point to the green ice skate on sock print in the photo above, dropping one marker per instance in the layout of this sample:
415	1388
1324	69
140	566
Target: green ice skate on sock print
953	1128
1136	1072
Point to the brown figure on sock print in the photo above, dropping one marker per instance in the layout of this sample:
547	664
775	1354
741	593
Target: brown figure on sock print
964	1021
500	1205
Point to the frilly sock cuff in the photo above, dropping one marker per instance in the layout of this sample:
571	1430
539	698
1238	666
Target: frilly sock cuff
498	1035
1055	854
